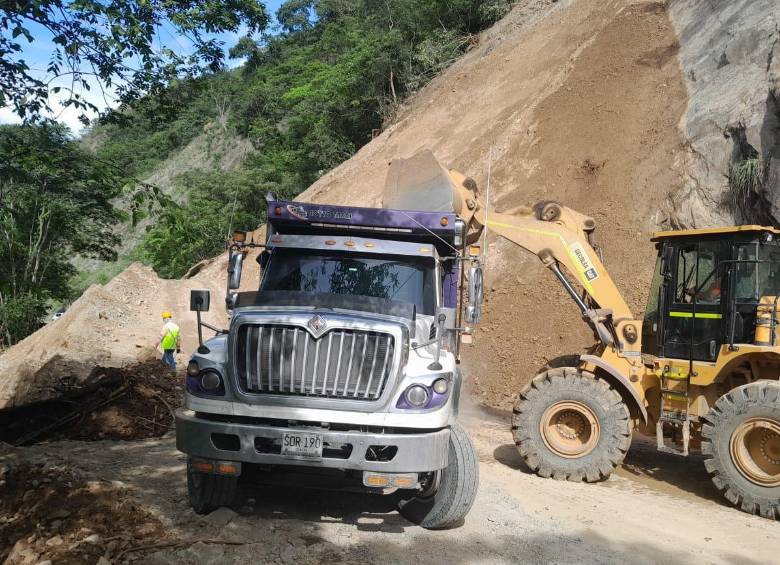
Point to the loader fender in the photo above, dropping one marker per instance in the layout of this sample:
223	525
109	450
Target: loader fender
620	383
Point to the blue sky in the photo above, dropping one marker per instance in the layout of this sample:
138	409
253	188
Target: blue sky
38	53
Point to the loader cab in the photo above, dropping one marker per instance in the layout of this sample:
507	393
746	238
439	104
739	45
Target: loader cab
706	289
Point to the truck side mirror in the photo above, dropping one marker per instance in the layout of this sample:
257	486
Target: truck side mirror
200	300
476	295
235	266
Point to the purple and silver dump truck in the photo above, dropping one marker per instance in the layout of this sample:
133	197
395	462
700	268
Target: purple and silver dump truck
343	363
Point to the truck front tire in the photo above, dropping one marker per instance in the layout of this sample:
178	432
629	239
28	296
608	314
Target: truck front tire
208	492
452	498
571	425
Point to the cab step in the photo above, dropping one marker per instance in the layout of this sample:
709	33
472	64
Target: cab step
677	419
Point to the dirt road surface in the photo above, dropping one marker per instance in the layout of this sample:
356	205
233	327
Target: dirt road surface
658	509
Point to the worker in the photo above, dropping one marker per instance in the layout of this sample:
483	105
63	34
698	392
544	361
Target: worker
170	340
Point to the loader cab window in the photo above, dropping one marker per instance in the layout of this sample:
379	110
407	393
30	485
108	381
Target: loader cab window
756	274
759	274
693	322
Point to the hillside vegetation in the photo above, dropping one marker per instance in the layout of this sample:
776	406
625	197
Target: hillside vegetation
306	98
165	177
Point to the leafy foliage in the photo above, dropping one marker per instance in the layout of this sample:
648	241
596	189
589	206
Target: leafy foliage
112	42
55	202
747	180
307	98
186	234
313	94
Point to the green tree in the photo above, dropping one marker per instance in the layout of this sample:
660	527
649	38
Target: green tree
112	42
307	98
183	235
55	202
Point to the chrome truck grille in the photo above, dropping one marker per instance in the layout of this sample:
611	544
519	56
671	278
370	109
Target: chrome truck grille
288	360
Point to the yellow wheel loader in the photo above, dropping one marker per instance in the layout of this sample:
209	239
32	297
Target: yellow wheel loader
700	369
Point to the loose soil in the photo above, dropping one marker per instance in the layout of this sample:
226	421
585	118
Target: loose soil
49	511
571	101
577	102
658	509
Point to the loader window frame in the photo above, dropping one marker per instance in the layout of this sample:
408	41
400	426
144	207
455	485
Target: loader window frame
652	324
756	273
693	322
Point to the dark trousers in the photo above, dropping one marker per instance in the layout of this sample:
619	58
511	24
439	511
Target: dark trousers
169	359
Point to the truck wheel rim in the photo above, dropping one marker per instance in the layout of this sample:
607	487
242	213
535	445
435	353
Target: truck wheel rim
755	451
570	429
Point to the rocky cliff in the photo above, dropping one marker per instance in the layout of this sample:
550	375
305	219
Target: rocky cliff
730	57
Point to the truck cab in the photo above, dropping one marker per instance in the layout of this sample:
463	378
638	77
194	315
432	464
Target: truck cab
343	362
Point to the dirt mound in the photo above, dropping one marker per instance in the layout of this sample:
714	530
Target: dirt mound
577	102
116	325
131	403
48	511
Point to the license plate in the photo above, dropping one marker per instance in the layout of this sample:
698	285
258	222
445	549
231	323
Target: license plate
296	444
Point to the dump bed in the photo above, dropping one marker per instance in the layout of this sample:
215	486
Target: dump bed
440	229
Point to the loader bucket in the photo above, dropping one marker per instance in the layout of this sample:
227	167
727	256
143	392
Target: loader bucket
418	183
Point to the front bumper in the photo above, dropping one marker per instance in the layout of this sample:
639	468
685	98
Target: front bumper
416	452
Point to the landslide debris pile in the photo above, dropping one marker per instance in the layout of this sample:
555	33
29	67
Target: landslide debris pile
579	101
111	326
136	402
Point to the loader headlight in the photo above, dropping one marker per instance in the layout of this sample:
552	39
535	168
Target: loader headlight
193	369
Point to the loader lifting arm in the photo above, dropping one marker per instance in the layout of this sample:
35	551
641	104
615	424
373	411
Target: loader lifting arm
558	236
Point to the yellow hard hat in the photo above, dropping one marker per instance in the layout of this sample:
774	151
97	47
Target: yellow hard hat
166	315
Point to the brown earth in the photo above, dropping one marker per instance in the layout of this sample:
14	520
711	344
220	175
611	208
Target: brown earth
571	101
660	508
50	511
581	107
111	326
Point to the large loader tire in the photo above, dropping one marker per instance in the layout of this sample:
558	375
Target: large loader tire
453	489
571	425
741	447
208	492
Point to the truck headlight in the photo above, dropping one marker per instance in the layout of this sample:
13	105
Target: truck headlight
417	395
440	386
210	381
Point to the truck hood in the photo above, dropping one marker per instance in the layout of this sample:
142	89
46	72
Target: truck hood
342	303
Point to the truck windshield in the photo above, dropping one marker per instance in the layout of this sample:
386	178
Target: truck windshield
401	278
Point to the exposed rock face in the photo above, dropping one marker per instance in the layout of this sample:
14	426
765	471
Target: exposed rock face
730	56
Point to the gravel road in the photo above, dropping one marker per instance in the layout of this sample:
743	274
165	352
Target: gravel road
658	509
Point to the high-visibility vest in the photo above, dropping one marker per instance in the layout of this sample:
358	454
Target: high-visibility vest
171	336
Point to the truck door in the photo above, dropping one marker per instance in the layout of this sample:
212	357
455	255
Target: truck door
693	324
